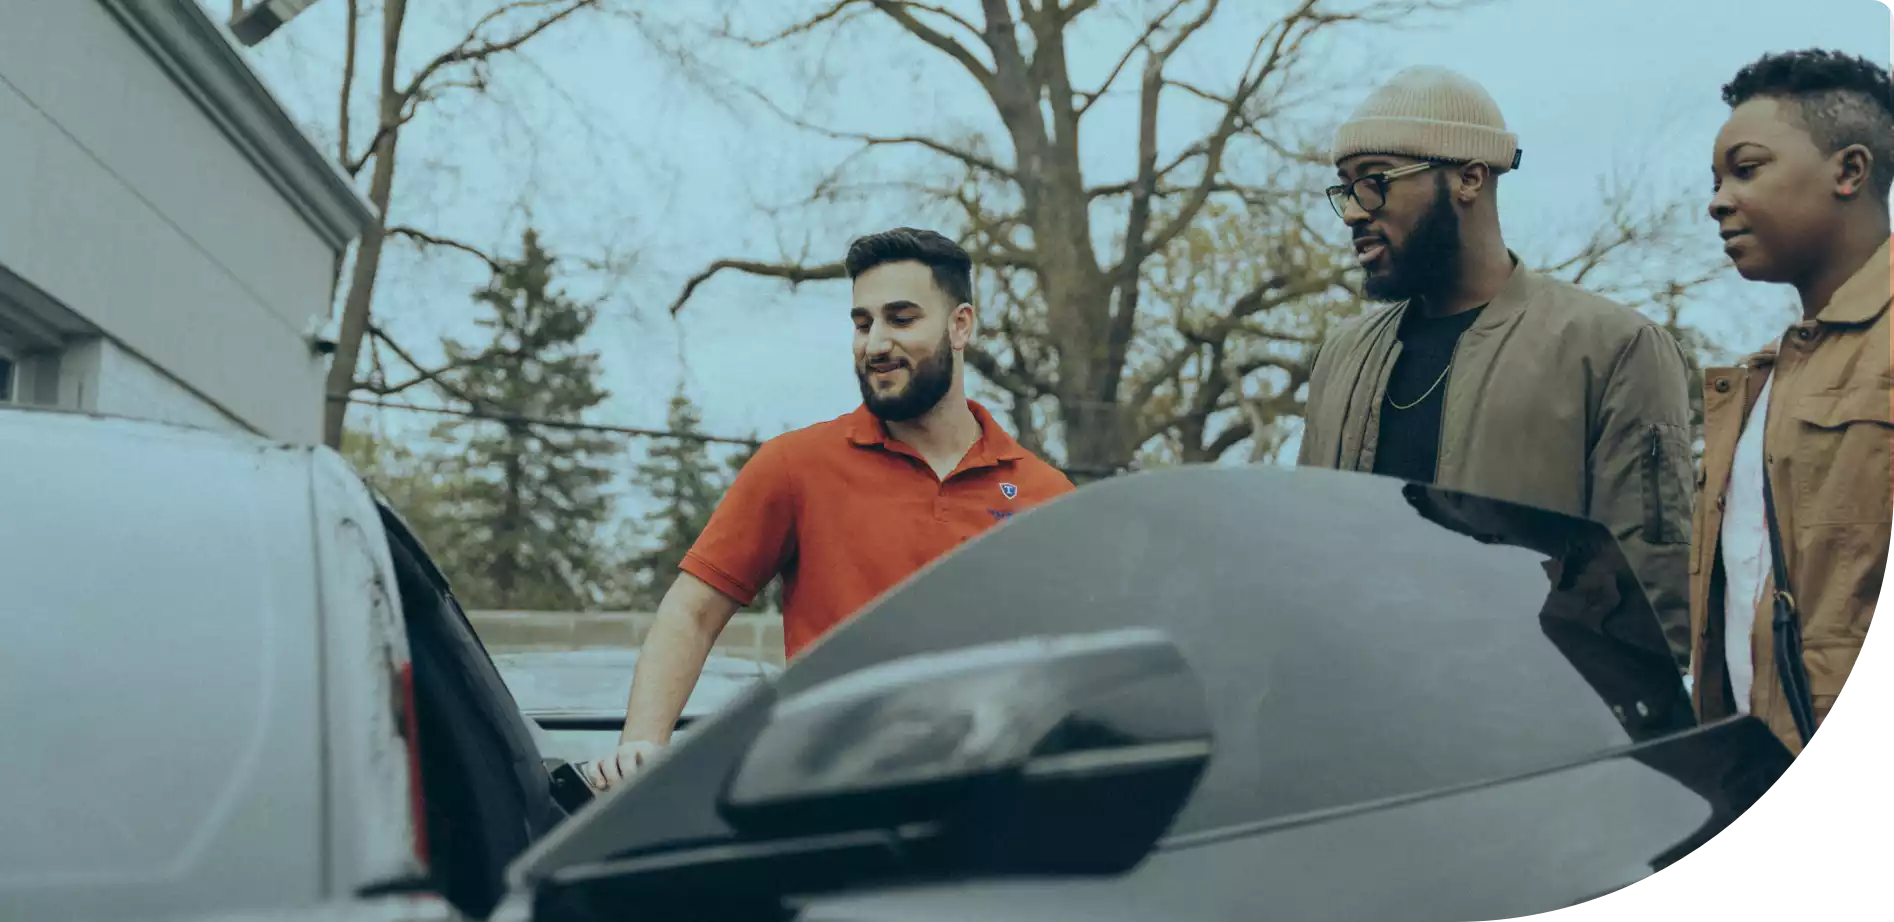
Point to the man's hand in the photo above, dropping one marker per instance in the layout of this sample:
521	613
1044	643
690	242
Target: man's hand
631	757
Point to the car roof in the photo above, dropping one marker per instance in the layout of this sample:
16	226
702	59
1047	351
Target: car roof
58	425
161	595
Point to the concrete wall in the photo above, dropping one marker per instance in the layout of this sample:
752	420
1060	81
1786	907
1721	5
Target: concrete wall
749	636
127	204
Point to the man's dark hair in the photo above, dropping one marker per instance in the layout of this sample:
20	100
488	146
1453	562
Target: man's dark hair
1840	99
953	268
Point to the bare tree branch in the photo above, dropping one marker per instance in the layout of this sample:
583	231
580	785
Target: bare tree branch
421	236
472	48
386	130
1273	292
1620	231
1073	10
898	11
964	156
1221	390
389	390
1015	381
1232	435
424	375
1142	42
1131	185
1198	149
1279	49
1183	35
943	13
377	372
1125	312
794	274
354	14
995	230
1053	79
808	25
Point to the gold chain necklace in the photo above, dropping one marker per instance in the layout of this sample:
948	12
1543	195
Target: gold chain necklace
1430	390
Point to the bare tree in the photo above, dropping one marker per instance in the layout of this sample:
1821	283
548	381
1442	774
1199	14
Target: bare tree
1648	252
1036	214
466	66
1189	334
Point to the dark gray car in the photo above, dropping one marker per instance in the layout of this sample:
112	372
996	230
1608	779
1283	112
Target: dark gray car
1204	693
235	686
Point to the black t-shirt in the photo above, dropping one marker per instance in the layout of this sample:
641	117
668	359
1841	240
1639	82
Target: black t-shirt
1409	445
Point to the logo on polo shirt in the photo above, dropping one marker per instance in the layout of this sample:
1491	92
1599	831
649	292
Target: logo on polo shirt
1011	491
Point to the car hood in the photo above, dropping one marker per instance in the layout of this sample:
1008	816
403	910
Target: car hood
1359	638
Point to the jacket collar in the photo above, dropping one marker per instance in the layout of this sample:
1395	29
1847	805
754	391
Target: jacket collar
1861	299
866	430
1864	296
1512	298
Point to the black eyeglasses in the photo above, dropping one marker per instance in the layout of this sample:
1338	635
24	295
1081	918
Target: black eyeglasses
1371	191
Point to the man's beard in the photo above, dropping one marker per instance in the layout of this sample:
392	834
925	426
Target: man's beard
1428	263
928	381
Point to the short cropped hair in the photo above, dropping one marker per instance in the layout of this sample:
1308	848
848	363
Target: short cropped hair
953	268
1839	99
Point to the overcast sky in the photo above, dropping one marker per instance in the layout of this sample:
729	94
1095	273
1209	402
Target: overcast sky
616	151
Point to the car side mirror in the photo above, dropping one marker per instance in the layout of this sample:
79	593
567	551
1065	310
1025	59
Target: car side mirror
1069	754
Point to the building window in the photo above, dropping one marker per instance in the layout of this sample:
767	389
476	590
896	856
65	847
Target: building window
9	370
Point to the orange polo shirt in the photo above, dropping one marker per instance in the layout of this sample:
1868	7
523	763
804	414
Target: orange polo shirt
845	512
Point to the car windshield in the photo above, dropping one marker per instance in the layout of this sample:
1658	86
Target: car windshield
575	699
1357	638
595	681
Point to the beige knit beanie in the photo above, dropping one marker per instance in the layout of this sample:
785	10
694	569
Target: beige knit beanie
1430	113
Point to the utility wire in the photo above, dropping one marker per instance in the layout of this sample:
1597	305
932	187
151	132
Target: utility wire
556	423
1073	471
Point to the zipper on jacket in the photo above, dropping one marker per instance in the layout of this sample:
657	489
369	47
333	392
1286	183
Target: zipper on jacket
1446	405
1371	420
1653	489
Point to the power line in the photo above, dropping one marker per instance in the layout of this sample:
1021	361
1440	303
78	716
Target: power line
557	423
1071	471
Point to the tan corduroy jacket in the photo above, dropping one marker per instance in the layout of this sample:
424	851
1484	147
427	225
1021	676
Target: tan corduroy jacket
1826	440
1557	398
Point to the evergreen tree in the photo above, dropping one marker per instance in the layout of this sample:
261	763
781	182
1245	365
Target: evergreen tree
687	482
684	479
771	598
416	481
532	516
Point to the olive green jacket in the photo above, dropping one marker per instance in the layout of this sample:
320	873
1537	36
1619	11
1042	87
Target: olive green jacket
1557	398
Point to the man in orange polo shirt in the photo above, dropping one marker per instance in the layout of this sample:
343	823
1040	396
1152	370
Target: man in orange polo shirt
846	509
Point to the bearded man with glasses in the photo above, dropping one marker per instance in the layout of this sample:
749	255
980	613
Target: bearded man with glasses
1483	375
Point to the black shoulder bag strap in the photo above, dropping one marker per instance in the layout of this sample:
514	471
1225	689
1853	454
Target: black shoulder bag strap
1788	627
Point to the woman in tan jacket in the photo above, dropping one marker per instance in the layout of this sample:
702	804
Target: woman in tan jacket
1803	168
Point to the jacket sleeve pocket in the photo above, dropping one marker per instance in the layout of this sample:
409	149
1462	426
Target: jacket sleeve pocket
1668	481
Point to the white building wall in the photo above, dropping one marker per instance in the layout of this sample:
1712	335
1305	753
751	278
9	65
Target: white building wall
129	205
100	376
